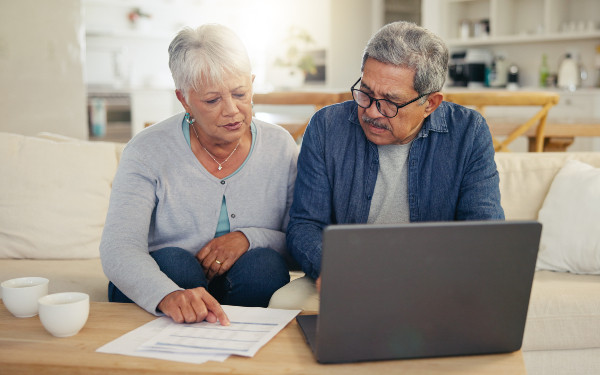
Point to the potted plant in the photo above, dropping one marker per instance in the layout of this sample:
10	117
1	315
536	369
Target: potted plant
291	68
137	18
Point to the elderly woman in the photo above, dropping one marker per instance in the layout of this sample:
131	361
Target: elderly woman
200	200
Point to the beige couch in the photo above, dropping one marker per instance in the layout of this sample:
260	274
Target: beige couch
562	333
54	195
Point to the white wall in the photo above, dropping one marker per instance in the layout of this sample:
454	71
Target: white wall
263	26
352	24
41	67
43	48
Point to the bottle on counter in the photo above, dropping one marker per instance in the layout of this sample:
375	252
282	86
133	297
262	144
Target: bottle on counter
568	73
544	71
583	74
513	77
498	72
98	117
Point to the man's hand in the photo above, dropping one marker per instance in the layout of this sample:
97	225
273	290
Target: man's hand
221	253
193	306
318	284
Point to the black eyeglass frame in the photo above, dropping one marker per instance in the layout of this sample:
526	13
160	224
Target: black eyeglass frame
371	99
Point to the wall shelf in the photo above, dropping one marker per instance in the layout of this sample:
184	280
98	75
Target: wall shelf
516	21
133	34
522	39
521	31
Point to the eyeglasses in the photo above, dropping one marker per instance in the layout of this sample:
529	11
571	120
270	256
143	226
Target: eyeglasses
385	107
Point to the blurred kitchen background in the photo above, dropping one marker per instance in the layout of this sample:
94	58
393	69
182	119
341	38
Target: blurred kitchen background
98	68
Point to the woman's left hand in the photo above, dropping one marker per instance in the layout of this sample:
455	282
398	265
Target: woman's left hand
221	253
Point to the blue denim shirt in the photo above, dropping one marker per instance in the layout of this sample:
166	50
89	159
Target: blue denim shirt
452	175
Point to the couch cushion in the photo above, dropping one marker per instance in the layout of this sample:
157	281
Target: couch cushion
525	179
562	362
65	275
564	312
570	239
53	196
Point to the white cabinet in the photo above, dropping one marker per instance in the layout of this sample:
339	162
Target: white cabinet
522	31
149	106
516	21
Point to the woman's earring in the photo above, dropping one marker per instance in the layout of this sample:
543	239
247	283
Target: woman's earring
189	119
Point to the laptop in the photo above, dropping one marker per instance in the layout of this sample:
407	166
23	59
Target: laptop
422	290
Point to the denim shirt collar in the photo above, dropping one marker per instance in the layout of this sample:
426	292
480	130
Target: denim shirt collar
435	122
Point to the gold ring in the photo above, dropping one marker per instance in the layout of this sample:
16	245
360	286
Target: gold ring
218	262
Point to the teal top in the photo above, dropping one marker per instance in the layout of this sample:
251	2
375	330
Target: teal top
223	226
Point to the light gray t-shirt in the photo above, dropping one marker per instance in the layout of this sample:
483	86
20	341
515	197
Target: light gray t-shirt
389	204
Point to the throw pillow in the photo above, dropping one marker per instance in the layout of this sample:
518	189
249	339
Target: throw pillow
53	196
570	216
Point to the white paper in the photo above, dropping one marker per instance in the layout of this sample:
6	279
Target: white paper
129	342
250	329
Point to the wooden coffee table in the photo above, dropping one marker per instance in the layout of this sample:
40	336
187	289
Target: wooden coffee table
26	348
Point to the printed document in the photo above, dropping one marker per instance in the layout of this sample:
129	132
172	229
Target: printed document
250	329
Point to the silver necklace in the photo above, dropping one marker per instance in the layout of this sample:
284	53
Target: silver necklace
211	155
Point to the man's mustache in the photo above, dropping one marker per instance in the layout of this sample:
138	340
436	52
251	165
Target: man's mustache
374	122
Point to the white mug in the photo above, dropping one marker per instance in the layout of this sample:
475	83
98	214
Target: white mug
20	296
64	314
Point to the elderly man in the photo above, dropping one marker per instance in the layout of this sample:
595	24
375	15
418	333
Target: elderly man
396	154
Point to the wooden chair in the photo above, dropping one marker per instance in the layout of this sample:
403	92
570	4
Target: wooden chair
482	99
316	99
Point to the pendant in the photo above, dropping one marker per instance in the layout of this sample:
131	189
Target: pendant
220	167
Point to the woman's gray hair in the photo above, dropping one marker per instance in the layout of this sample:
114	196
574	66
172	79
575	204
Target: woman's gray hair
203	55
410	46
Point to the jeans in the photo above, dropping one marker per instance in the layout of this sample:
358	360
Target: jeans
251	281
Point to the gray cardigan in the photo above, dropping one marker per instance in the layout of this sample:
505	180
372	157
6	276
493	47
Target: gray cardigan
162	197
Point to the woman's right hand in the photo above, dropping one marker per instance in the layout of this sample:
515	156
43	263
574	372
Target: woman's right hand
193	306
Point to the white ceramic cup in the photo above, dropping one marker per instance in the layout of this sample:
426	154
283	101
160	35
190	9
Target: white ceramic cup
64	314
21	295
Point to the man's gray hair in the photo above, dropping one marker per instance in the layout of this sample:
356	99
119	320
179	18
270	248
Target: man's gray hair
203	55
407	45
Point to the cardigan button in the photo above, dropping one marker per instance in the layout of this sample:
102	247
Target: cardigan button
222	182
233	216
